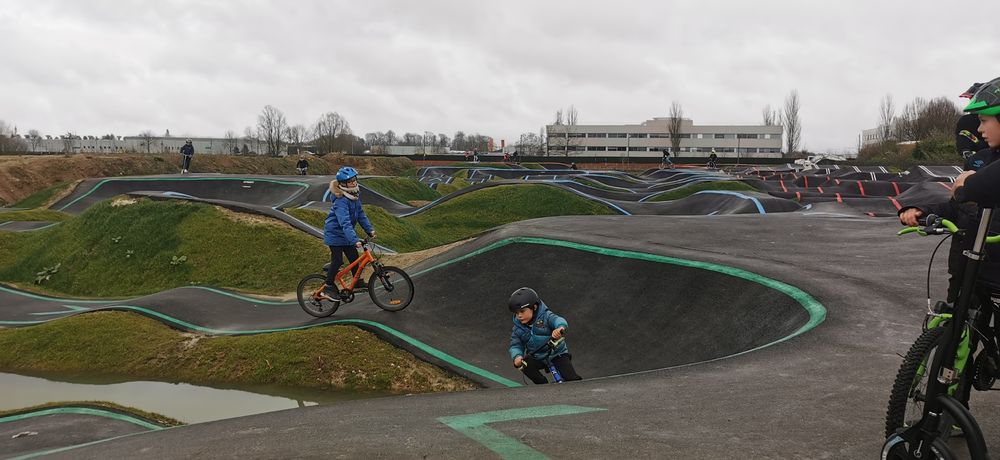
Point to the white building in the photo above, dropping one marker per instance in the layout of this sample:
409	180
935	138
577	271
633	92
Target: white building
137	144
651	137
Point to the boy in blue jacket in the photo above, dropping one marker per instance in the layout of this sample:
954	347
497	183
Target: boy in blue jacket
535	326
338	231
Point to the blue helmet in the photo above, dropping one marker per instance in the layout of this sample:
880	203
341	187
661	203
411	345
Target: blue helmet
346	173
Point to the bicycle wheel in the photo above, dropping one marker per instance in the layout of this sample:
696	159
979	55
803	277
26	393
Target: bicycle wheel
939	451
318	307
390	288
906	402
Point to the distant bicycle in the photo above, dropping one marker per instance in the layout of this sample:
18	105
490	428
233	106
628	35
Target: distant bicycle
389	287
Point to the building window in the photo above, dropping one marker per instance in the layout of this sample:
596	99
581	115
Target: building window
684	136
618	135
720	136
746	136
637	149
660	136
596	149
577	134
637	135
616	149
597	135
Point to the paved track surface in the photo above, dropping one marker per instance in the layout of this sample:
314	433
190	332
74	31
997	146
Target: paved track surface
819	394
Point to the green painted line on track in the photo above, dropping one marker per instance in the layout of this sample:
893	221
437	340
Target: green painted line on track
159	179
82	411
474	426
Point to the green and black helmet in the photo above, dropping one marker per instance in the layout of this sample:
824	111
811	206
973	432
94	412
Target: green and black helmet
986	101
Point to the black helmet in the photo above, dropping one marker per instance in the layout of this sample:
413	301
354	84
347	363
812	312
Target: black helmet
523	297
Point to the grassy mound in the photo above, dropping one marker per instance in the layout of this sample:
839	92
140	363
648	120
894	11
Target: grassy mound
120	343
689	190
401	189
145	246
42	197
456	184
34	215
468	215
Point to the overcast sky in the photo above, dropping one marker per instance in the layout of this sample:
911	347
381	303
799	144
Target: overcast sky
200	68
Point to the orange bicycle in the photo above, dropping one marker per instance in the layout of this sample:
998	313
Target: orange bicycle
389	287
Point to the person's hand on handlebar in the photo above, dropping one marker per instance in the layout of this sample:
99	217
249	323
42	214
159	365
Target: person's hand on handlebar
960	181
372	235
519	362
558	333
359	244
911	217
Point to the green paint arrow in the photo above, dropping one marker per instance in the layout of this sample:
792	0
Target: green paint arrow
474	426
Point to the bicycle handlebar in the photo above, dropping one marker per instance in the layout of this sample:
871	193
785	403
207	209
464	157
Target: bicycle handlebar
936	225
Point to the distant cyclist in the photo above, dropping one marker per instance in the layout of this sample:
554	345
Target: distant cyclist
302	167
713	160
665	161
338	231
187	151
536	329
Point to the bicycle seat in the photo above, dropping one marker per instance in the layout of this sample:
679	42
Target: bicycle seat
326	267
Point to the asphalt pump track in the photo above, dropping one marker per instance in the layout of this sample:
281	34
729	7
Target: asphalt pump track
736	336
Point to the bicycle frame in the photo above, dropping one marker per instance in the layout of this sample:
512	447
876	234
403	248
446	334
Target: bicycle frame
361	262
944	371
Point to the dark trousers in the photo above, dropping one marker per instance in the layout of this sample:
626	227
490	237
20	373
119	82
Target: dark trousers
187	161
337	254
563	363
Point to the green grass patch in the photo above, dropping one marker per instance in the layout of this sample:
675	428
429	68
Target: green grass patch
151	246
401	189
34	215
456	184
127	344
41	197
461	174
158	419
691	189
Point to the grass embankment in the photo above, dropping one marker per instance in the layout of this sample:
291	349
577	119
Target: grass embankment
34	215
468	215
127	344
689	190
401	189
42	197
153	417
123	248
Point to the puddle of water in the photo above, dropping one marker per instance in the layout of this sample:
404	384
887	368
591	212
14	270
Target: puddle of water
182	401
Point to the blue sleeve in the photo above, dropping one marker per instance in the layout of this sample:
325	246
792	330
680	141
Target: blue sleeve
516	347
363	220
344	220
555	321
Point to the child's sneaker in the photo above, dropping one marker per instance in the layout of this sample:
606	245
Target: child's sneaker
330	294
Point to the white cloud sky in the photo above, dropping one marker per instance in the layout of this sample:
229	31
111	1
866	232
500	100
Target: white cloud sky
496	68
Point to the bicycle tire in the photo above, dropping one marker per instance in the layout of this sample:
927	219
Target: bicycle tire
319	308
939	451
390	288
910	381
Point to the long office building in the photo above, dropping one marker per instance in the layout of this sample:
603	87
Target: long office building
651	137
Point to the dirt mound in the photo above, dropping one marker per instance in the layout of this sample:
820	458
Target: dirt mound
21	176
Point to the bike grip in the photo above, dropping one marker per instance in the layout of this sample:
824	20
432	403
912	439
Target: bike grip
907	230
949	225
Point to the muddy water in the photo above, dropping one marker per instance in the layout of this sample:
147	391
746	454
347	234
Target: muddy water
184	402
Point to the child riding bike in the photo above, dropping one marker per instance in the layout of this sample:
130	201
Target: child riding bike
338	231
535	326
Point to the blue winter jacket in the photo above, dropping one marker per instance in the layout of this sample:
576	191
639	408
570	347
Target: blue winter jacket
532	339
344	215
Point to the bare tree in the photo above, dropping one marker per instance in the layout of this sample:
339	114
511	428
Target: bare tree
530	143
887	114
793	125
35	139
771	116
297	136
674	126
411	139
939	117
68	141
458	141
429	143
559	117
272	127
328	129
230	144
9	140
146	140
443	141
